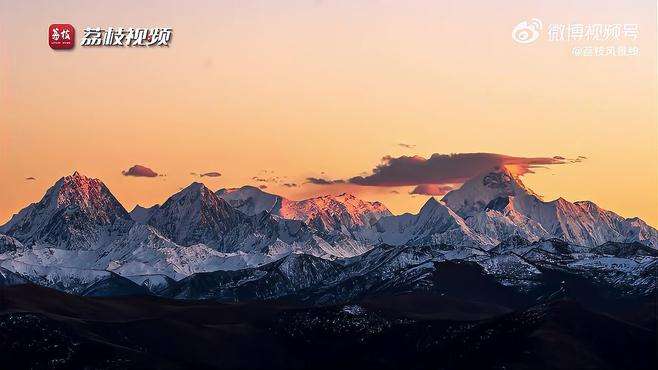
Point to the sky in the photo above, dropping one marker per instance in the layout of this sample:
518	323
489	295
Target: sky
274	93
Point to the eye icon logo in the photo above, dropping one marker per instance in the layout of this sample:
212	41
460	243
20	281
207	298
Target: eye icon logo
527	32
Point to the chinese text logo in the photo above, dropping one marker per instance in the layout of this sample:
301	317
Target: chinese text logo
61	36
96	36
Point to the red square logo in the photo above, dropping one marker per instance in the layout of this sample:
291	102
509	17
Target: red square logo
61	36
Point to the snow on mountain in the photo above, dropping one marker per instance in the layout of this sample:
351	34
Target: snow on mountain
9	244
145	251
344	213
434	224
250	200
499	225
245	243
498	205
68	279
196	215
286	276
76	213
475	194
142	250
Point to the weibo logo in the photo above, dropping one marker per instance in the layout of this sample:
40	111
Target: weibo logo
527	32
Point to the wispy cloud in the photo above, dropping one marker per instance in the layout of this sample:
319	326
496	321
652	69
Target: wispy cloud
408	146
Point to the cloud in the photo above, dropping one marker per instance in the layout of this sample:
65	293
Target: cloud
289	185
440	169
210	174
262	186
578	159
140	171
30	178
408	146
272	179
321	181
431	189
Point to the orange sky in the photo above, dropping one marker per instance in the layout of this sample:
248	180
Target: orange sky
305	87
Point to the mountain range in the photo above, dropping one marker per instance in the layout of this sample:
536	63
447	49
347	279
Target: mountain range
244	243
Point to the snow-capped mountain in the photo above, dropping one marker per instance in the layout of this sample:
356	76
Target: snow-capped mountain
498	205
477	193
528	269
434	224
76	213
196	215
277	279
250	200
344	213
80	239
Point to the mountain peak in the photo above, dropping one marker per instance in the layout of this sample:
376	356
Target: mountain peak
475	194
429	205
193	190
71	214
250	200
195	215
81	191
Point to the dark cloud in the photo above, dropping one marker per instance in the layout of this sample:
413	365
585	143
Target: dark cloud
395	192
321	181
431	189
140	171
560	158
210	174
408	146
289	185
30	178
262	186
440	169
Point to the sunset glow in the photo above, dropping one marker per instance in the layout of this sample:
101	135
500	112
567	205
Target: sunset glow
271	94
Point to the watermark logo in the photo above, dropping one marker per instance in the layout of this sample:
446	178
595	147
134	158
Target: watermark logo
119	36
586	39
61	36
527	32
